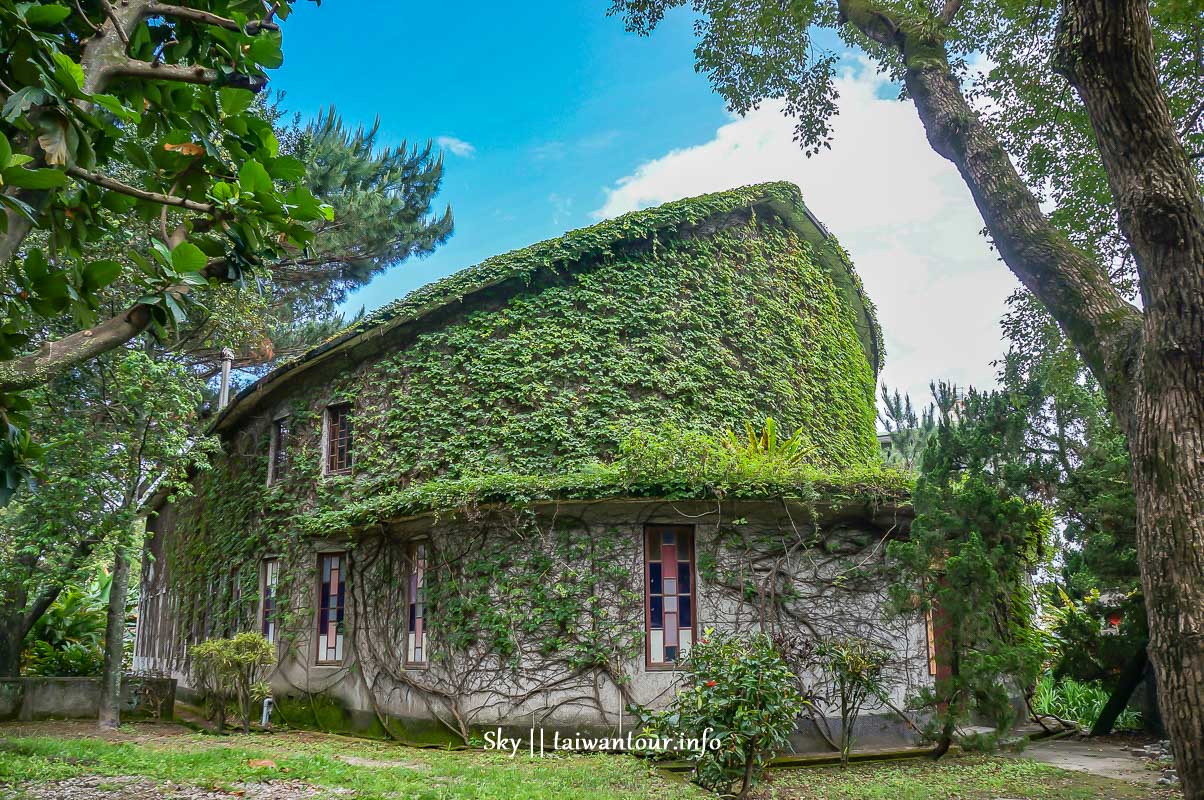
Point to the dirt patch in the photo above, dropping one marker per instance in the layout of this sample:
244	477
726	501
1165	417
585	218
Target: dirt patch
358	761
141	732
97	787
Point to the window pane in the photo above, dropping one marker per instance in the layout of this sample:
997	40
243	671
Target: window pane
683	577
654	578
656	608
683	603
338	438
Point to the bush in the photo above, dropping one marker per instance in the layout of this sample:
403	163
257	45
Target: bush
230	674
71	660
1077	701
68	640
853	668
738	692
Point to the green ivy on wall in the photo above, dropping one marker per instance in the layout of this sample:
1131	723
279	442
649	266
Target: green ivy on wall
606	378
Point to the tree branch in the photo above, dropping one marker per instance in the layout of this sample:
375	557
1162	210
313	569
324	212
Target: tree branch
206	18
54	357
950	10
1105	48
1075	289
106	182
145	70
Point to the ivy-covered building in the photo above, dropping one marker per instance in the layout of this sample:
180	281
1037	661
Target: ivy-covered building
508	499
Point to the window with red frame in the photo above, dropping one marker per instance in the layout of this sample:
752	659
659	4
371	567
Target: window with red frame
668	592
416	655
331	590
338	438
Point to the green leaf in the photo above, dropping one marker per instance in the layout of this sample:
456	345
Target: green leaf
34	178
46	16
286	168
114	106
254	178
68	73
187	257
265	50
21	101
100	274
6	151
235	101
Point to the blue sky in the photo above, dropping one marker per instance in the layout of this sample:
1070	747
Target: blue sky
555	98
555	116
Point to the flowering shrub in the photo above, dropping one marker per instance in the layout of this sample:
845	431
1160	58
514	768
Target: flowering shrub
739	695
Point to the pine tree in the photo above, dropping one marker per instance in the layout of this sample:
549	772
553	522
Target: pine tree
382	198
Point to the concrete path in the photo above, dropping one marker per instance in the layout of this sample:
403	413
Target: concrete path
1098	758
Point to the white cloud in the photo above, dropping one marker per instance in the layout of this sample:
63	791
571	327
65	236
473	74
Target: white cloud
900	210
458	147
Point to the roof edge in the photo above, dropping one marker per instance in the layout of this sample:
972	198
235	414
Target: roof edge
783	198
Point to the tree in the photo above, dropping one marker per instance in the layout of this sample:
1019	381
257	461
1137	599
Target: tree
135	110
908	431
260	325
1080	467
976	537
112	426
1132	84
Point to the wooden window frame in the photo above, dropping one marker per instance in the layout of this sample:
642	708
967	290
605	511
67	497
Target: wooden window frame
329	443
423	629
268	627
317	629
277	470
679	530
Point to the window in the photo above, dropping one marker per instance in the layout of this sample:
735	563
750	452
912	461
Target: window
338	439
669	592
278	465
930	630
267	601
416	655
234	611
331	588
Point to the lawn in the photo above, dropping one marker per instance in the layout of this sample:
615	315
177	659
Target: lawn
147	762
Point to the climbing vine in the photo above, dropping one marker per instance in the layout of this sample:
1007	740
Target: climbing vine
487	431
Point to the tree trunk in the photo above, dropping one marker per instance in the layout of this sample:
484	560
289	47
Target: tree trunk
1130	679
11	640
1150	363
1105	48
110	685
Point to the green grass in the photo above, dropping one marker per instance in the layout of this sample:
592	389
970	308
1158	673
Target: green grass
218	763
965	778
382	770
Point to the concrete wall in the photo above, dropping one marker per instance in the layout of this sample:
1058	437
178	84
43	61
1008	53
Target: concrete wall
79	698
838	574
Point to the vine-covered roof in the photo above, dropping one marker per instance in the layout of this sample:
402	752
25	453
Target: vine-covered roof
580	248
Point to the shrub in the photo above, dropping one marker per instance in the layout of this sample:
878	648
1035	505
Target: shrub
71	660
1077	701
738	692
853	668
230	673
67	641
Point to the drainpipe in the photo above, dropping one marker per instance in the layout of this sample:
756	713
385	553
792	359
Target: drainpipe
223	395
